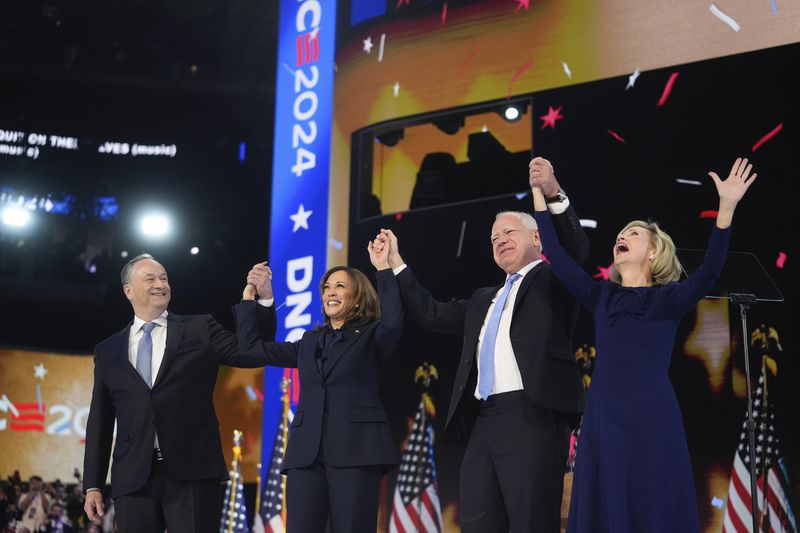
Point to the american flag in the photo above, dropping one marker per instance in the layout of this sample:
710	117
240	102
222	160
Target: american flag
271	513
234	510
416	507
774	512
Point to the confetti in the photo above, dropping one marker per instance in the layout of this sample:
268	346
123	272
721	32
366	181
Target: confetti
632	79
718	503
381	47
668	88
521	195
520	71
767	137
604	272
724	18
709	213
396	88
550	118
616	136
251	393
368	45
337	244
567	71
688	182
523	3
779	263
258	394
401	2
398	216
444	13
468	59
461	237
588	223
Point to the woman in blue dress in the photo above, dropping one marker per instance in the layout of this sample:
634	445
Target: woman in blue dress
633	473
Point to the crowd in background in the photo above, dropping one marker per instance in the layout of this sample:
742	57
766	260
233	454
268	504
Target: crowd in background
38	507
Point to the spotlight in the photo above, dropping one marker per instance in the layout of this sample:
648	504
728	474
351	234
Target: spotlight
16	216
511	113
449	125
194	250
155	225
390	138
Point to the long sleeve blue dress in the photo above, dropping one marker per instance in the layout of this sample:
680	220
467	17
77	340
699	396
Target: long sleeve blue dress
633	473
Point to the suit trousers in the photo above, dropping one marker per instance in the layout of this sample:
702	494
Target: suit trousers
512	476
349	496
166	503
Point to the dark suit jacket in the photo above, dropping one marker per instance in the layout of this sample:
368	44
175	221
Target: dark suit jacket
179	407
541	329
340	410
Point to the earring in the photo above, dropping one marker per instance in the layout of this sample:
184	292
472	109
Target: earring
652	257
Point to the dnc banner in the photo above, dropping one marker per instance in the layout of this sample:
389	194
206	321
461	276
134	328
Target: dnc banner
300	175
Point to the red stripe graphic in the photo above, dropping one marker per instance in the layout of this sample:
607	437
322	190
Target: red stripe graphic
27	427
37	416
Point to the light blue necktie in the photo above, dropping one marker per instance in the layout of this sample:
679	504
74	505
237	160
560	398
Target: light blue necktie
144	353
486	366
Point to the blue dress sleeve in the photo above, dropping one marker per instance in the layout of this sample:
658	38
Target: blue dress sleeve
685	295
569	273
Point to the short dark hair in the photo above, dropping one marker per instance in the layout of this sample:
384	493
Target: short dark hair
365	307
125	275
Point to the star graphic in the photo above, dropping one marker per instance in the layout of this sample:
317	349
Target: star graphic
39	371
368	45
300	219
523	3
550	118
604	272
632	79
396	88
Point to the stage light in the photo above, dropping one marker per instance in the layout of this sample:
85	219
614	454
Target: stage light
155	225
390	138
194	250
511	113
16	216
449	125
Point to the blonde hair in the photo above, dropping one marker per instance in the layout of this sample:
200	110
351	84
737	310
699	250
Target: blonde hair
665	266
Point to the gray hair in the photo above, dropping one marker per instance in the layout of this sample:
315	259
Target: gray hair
127	270
527	220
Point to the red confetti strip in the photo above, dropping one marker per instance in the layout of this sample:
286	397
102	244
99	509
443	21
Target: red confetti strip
781	260
520	71
767	137
544	258
401	2
616	136
523	3
709	213
468	59
398	216
668	88
444	13
258	394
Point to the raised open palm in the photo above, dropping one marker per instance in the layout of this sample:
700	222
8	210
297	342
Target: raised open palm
739	180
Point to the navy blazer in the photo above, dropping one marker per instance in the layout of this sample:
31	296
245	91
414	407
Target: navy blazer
340	409
541	328
179	407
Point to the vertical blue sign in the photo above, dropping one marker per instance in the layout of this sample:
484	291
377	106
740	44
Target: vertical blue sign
300	177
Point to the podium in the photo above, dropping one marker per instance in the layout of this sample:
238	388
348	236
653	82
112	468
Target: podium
744	282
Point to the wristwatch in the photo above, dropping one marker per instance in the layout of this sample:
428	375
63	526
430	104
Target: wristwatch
560	196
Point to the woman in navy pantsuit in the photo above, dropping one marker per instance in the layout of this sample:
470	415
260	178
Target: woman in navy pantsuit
339	441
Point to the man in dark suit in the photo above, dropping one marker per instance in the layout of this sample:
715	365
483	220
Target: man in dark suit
156	378
518	385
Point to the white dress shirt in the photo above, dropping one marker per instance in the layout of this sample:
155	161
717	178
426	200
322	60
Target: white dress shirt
159	336
507	377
